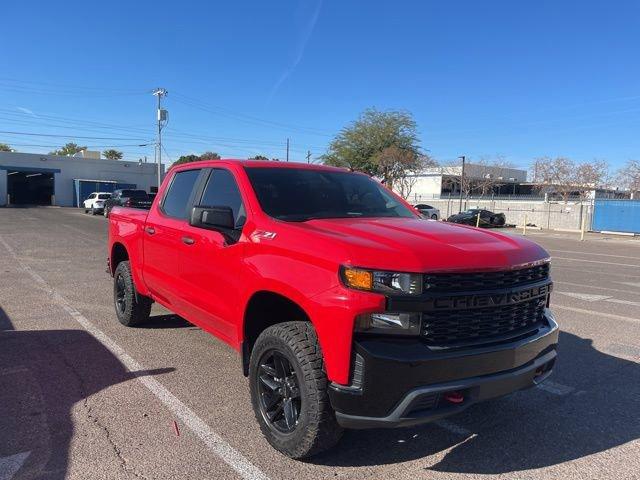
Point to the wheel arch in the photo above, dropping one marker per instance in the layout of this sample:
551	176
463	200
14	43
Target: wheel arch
118	254
264	309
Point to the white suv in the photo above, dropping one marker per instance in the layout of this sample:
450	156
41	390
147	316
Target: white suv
95	202
428	211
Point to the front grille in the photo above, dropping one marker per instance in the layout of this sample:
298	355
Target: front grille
506	311
482	325
460	282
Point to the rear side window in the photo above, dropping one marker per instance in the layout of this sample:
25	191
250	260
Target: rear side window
104	196
222	191
176	201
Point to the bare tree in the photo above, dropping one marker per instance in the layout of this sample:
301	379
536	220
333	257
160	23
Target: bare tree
564	176
554	174
629	176
590	175
488	174
399	167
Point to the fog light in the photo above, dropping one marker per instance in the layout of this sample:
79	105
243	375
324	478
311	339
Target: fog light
390	323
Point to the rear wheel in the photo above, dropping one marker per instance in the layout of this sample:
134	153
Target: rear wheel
434	217
93	211
289	391
131	309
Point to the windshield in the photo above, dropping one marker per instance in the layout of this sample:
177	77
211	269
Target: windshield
297	194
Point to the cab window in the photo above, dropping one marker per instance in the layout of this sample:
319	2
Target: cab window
176	200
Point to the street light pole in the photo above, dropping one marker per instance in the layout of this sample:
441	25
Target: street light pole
461	182
162	116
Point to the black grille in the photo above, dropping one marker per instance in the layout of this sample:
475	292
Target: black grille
450	328
460	282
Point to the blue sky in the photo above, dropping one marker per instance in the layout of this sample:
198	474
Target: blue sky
516	79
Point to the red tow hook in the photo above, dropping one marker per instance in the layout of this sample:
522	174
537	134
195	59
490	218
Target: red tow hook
454	397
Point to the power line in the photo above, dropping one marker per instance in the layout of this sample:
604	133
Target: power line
216	110
66	136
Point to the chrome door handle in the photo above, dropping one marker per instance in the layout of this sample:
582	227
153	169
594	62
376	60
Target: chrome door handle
150	230
188	240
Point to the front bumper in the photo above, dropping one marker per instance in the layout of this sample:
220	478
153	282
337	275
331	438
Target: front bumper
401	382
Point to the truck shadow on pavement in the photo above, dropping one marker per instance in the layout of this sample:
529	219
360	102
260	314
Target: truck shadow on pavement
529	429
166	321
44	374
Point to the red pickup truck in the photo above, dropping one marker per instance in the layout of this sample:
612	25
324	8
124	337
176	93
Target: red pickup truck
348	309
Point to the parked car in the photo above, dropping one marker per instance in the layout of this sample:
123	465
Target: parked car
95	202
428	211
128	198
348	310
470	217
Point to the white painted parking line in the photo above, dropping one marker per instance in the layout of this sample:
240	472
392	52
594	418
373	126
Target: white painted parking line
212	440
10	465
555	388
594	261
13	371
452	427
587	297
584	285
601	273
593	253
596	314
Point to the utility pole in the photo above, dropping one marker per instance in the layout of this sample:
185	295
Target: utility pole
308	156
287	149
461	182
162	117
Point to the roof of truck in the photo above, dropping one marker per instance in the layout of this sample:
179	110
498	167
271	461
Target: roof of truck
262	164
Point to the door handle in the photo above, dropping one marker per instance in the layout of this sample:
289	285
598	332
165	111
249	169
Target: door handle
188	240
150	230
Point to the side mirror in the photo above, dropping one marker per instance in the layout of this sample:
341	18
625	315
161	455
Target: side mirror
212	218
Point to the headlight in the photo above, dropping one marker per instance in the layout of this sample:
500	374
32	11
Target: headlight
389	323
381	281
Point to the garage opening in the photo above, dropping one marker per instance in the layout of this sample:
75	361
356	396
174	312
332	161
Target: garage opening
30	188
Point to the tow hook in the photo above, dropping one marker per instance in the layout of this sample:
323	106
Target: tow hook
454	397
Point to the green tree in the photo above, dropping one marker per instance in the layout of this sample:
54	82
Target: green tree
112	154
259	157
209	156
186	159
381	144
69	149
5	148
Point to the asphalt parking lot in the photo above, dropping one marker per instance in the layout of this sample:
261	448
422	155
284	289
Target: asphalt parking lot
83	397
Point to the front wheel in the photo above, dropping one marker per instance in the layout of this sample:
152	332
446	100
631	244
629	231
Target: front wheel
288	387
131	308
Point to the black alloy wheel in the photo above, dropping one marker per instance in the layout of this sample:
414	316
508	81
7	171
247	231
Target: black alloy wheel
278	386
121	291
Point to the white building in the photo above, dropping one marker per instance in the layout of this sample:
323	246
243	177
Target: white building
28	178
438	181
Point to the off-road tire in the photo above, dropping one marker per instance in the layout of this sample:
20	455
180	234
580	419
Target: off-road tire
135	308
317	429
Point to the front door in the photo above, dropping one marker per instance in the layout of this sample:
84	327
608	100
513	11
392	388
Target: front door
164	247
212	263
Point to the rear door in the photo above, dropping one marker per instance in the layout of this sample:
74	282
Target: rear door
164	243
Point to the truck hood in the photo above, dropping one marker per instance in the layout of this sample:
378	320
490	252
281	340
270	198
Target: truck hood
417	245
